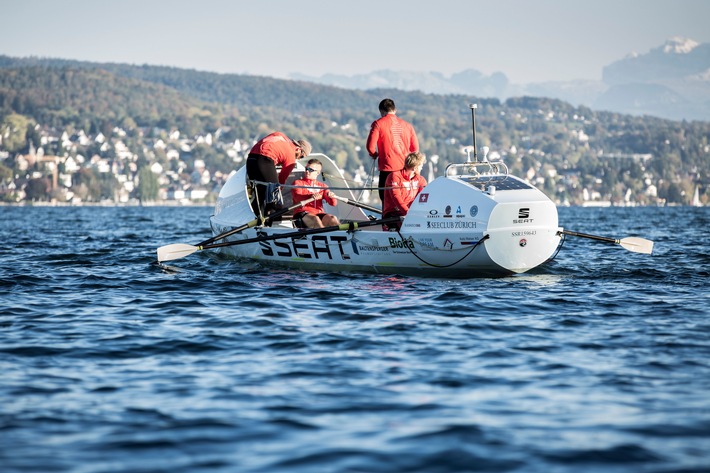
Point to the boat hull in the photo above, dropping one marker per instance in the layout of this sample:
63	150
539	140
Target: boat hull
459	227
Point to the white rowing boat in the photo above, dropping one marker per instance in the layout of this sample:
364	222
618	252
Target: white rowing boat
477	220
461	225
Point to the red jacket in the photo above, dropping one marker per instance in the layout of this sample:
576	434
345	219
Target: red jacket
280	149
300	194
391	139
404	191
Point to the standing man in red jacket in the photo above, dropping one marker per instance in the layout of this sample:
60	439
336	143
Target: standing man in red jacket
390	140
273	150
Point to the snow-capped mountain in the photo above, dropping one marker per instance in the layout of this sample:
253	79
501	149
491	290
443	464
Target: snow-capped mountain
678	58
670	81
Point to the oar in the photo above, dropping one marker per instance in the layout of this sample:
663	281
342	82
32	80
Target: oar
635	244
180	250
253	223
171	249
355	203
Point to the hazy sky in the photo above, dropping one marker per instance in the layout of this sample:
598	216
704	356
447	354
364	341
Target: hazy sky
528	40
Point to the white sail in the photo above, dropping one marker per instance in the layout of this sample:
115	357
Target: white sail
696	197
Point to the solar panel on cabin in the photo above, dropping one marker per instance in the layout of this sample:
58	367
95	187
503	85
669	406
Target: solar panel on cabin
501	183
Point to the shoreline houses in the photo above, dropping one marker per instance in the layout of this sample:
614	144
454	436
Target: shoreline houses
164	167
60	160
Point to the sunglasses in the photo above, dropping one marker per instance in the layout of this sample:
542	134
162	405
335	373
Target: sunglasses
312	170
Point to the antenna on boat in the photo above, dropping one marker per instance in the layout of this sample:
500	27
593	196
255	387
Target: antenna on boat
473	108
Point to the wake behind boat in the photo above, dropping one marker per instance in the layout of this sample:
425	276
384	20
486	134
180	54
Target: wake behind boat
476	220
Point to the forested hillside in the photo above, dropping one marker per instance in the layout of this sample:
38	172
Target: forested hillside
572	153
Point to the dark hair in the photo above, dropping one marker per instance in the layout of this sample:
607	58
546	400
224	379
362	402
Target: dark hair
387	106
314	161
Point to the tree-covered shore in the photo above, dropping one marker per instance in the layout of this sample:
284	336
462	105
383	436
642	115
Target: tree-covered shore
88	132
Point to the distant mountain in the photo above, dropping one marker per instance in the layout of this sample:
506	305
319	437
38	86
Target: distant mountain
670	81
678	59
464	82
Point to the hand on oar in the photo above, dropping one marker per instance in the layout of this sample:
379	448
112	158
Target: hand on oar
635	244
175	249
180	250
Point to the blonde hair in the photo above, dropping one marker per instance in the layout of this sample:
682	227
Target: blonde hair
305	146
414	159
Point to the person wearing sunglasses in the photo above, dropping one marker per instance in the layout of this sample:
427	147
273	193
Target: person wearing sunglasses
312	214
275	149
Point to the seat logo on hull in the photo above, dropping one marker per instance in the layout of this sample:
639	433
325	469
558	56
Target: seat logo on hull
523	216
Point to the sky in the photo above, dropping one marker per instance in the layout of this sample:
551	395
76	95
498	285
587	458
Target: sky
527	40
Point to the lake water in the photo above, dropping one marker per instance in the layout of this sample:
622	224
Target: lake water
599	361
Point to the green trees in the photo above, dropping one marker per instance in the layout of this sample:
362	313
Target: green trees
13	130
38	189
92	186
5	174
608	153
148	188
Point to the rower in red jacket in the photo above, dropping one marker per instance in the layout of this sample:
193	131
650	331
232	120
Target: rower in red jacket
273	150
402	187
313	214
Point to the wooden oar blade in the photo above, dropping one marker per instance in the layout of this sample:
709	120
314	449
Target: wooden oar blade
175	251
637	245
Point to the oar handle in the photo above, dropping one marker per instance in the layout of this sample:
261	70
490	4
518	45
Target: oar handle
355	203
351	227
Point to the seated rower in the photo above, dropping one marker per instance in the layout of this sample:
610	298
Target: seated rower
402	187
312	214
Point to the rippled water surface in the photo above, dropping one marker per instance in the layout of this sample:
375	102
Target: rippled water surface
599	361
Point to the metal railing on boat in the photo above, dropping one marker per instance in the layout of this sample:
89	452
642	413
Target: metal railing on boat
471	168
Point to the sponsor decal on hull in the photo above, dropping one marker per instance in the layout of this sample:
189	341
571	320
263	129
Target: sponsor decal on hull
523	216
447	224
327	247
